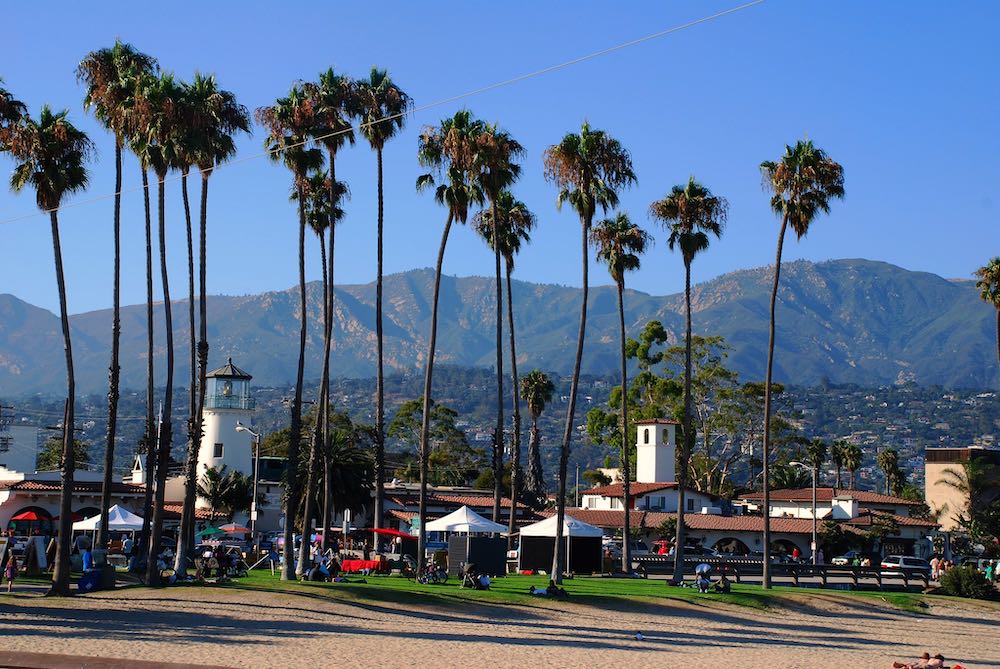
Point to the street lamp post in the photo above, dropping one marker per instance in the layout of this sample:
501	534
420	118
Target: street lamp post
815	538
240	427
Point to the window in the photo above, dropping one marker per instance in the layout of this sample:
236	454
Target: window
690	504
218	451
666	435
645	436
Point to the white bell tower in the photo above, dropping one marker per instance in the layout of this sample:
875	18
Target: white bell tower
655	446
227	402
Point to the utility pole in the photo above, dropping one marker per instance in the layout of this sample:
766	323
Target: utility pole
578	486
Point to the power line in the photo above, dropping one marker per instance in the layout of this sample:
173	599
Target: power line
419	108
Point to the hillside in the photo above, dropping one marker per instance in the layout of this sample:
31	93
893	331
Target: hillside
849	321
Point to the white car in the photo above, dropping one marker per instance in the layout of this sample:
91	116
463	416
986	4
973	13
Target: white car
892	563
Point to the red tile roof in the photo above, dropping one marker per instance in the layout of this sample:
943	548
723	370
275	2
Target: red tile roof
457	500
28	485
825	495
867	517
635	489
174	509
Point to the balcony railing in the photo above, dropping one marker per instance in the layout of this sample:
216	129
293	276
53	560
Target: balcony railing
229	402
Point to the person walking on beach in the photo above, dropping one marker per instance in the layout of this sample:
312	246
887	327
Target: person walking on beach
10	571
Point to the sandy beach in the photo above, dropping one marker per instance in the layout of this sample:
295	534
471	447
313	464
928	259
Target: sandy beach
241	628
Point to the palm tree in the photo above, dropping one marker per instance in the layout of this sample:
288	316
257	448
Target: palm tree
588	169
289	124
334	98
816	452
111	76
838	454
785	477
497	171
691	213
211	117
449	150
213	488
536	391
977	481
802	183
12	111
619	243
381	106
988	283
513	224
853	457
50	155
888	461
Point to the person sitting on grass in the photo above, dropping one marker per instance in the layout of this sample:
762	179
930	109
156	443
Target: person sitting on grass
483	582
723	585
703	582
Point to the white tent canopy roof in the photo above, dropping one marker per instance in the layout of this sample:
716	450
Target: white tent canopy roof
464	520
571	528
119	519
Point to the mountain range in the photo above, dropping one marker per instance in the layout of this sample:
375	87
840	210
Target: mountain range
849	321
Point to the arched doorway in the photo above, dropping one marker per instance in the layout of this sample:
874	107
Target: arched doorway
731	546
783	547
88	512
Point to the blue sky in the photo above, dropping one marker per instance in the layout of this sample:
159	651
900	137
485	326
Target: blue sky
904	95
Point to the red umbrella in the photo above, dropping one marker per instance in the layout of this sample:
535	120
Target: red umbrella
74	516
28	515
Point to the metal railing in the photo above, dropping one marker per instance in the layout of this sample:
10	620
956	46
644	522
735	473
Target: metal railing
229	402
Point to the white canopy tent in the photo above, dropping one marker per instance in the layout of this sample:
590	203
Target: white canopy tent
465	520
571	528
119	520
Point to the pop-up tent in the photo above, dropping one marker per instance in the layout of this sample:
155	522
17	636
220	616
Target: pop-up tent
119	520
582	546
489	554
465	520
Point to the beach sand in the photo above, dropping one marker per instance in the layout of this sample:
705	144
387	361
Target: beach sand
248	628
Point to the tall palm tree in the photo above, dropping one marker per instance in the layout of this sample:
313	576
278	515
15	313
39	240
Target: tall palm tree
511	226
450	152
619	244
536	391
497	172
691	214
888	461
988	283
211	117
816	452
111	76
12	112
50	155
162	99
335	99
381	106
977	482
838	454
289	123
853	457
802	183
588	169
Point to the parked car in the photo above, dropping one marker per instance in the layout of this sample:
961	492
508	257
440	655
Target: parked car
892	563
615	547
847	558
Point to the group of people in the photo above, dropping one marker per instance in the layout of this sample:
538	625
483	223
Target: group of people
924	662
552	590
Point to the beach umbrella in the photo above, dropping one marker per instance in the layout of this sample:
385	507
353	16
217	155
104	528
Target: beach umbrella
703	568
28	515
233	528
208	531
74	516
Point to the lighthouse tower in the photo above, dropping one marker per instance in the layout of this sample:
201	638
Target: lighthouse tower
227	402
656	446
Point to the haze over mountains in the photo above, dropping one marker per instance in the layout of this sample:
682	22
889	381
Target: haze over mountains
856	321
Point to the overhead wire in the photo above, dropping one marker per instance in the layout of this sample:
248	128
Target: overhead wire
419	108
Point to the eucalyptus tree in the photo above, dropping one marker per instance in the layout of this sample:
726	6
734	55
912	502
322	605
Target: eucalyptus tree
381	106
692	214
536	391
333	97
210	118
289	124
51	154
450	151
589	169
504	226
988	283
497	172
112	75
802	183
619	244
162	99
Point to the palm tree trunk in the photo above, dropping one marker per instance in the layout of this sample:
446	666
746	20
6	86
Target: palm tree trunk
498	441
680	540
60	577
515	449
535	473
202	341
150	435
998	333
557	554
114	370
379	374
766	581
295	429
191	463
428	382
327	341
166	436
626	474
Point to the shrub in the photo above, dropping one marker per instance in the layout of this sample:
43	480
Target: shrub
966	582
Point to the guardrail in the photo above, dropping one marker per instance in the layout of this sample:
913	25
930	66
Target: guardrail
737	567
